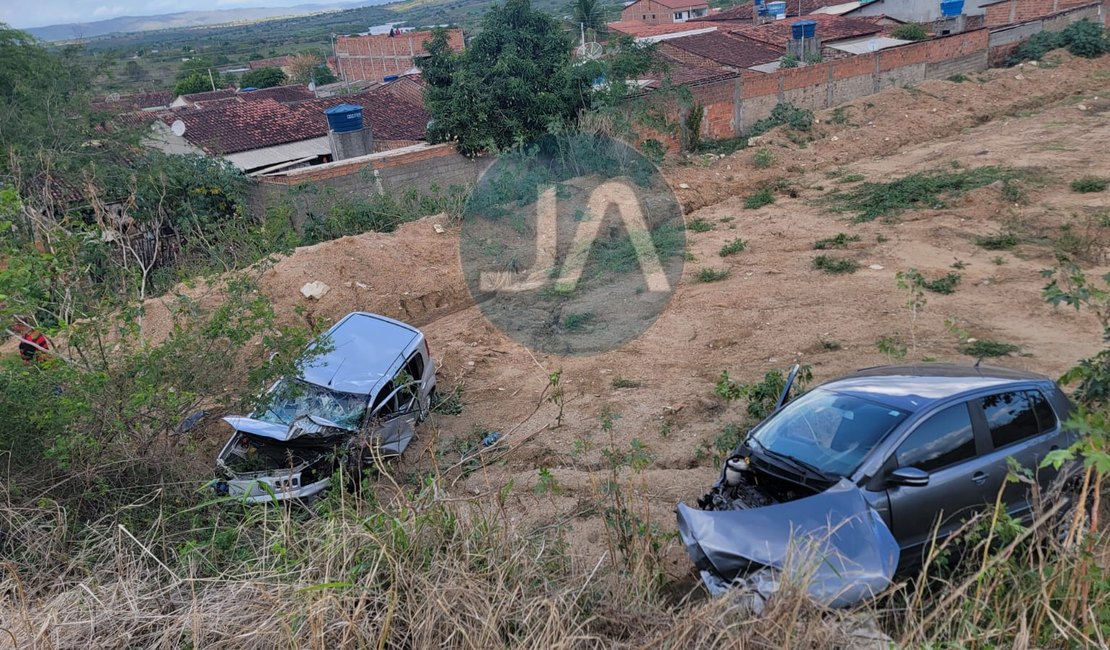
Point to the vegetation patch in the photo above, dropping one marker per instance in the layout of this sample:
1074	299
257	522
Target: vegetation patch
986	348
765	196
944	285
835	265
789	115
763	159
840	240
733	247
1089	184
712	275
1083	38
699	225
924	190
1000	242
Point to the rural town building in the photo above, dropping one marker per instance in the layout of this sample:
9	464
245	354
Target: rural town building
373	57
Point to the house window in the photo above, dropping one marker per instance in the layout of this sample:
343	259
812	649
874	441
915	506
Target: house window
678	16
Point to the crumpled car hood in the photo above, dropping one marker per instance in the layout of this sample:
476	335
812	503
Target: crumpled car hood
835	541
307	425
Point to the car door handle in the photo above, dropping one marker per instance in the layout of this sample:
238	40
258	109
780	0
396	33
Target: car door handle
979	477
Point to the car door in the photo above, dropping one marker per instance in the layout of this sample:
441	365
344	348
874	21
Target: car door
393	420
947	446
1022	426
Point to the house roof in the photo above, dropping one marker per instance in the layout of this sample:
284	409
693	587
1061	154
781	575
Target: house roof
685	74
643	30
674	4
726	50
744	12
283	94
153	99
245	125
829	28
389	116
222	93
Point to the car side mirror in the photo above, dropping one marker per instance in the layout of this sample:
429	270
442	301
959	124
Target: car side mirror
908	476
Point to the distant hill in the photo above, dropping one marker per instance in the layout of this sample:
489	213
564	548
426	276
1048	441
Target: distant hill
185	19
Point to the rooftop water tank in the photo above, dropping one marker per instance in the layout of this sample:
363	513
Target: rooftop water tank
344	118
950	8
777	9
390	77
803	29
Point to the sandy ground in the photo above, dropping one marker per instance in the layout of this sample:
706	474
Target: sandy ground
774	308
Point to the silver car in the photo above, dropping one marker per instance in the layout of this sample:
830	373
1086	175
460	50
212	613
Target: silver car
368	383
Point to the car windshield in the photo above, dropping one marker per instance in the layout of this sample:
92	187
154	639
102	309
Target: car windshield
827	430
290	400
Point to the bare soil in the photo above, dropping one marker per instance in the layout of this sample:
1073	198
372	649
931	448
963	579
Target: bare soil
772	310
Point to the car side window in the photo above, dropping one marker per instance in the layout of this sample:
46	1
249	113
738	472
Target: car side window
1046	417
415	367
944	439
1010	416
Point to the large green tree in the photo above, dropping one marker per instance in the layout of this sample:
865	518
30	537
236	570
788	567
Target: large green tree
263	78
513	81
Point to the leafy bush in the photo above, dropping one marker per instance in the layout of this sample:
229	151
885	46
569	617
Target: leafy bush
1083	38
1090	184
761	198
712	275
654	150
787	114
984	348
840	240
733	247
1000	242
763	159
835	265
945	285
910	32
699	225
762	395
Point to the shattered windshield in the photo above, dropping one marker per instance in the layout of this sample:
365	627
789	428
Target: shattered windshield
827	430
291	399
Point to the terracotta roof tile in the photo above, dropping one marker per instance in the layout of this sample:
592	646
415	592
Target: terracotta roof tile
643	30
222	93
273	62
245	126
744	12
282	94
676	4
726	50
829	28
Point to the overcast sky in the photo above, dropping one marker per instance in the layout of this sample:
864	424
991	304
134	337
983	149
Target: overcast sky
36	13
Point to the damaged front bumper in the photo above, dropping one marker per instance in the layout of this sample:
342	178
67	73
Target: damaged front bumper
834	544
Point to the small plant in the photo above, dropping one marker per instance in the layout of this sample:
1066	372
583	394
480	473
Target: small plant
893	347
577	322
624	382
840	240
728	439
798	119
945	285
763	159
851	178
998	260
831	345
654	150
910	32
761	198
839	115
959	264
1000	242
835	265
763	395
712	275
699	225
546	483
789	61
1089	184
913	283
449	403
555	385
733	247
984	348
958	78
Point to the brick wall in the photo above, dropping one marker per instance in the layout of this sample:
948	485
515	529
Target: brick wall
1024	11
372	57
426	169
1003	40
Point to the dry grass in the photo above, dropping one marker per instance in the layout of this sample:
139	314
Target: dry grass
419	569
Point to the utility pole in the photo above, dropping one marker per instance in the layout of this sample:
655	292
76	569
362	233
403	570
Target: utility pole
211	80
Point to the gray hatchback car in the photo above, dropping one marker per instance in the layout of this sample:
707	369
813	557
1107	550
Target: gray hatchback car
882	461
363	392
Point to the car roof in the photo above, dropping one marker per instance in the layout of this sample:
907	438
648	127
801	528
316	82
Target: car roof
916	386
364	349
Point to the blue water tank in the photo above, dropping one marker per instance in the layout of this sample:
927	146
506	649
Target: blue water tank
950	8
247	89
761	10
390	77
809	28
344	117
776	8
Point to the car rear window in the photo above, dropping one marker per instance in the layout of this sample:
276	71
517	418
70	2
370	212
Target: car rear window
1012	417
944	439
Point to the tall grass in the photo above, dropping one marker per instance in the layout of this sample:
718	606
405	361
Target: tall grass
399	566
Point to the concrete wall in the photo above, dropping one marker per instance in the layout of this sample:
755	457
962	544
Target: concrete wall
1004	40
427	169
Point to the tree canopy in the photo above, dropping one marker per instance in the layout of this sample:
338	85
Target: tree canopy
263	78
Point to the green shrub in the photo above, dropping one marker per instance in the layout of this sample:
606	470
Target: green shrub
945	285
699	225
910	32
1090	184
789	115
984	348
763	395
761	198
763	158
1083	38
835	265
1000	242
733	247
712	275
840	240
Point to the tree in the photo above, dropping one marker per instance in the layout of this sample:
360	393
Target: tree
322	74
301	67
133	71
196	83
511	83
588	13
910	32
263	78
